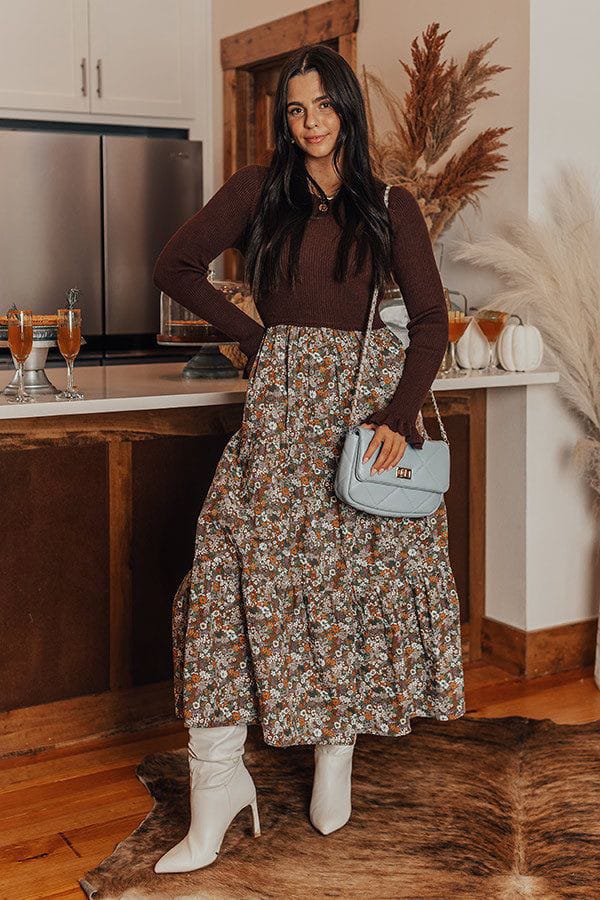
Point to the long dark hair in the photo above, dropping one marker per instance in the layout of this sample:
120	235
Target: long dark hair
286	204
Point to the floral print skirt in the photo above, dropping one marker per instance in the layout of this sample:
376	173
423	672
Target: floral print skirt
301	613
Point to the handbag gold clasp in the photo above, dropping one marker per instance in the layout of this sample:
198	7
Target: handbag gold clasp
403	472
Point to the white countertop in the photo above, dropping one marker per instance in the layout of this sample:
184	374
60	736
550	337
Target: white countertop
159	386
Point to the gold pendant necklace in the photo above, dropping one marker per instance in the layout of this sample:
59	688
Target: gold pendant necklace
325	200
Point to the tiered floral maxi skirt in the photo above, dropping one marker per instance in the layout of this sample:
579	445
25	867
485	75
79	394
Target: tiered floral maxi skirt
301	613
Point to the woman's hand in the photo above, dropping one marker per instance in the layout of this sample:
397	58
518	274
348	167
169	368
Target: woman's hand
392	445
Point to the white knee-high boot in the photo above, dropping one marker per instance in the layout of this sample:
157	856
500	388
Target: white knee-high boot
220	786
331	800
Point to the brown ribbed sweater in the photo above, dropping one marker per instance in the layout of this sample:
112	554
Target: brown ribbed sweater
182	267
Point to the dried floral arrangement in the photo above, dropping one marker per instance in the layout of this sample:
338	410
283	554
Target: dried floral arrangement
433	113
551	269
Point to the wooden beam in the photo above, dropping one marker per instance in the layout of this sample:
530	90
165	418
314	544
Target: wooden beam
238	143
244	105
133	425
280	37
120	584
229	123
347	48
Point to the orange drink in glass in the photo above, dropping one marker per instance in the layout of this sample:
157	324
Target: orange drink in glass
457	325
68	338
20	341
491	322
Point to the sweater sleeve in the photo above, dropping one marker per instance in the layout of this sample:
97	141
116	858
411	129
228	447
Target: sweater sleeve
415	271
182	266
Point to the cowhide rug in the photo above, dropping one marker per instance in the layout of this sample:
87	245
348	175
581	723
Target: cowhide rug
496	809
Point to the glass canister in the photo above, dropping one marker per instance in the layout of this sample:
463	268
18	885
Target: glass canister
179	325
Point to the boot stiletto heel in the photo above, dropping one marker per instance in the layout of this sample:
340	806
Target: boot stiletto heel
255	819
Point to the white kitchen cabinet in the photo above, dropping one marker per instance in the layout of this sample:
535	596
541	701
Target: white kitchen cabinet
44	55
118	57
141	57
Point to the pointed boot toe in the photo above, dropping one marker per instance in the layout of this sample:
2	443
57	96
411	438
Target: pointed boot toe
184	858
326	823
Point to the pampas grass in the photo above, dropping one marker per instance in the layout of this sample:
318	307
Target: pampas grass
551	269
425	123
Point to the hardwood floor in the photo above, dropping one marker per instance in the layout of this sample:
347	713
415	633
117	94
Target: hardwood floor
63	810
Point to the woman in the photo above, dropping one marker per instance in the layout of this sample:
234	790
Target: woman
301	613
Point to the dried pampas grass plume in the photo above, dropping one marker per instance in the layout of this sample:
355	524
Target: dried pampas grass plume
551	269
425	123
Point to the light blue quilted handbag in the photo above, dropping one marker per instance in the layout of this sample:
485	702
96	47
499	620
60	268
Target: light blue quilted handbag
415	487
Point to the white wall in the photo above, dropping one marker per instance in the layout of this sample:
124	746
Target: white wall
562	539
506	506
562	536
202	127
564	89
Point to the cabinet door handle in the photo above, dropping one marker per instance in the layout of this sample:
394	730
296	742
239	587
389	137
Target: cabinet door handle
83	77
99	71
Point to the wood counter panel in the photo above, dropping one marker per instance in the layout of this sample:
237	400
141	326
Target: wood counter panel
99	515
54	589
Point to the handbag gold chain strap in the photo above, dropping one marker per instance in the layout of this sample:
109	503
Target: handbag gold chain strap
364	349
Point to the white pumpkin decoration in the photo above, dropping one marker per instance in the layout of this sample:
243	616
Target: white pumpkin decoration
472	348
519	347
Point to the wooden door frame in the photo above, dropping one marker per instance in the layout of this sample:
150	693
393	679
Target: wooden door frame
242	52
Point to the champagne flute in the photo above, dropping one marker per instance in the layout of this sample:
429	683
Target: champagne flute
457	325
68	337
20	341
491	322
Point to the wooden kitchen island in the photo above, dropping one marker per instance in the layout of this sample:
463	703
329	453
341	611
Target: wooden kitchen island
100	500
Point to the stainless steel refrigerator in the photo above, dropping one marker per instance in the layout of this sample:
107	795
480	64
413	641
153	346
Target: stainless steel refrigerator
93	211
